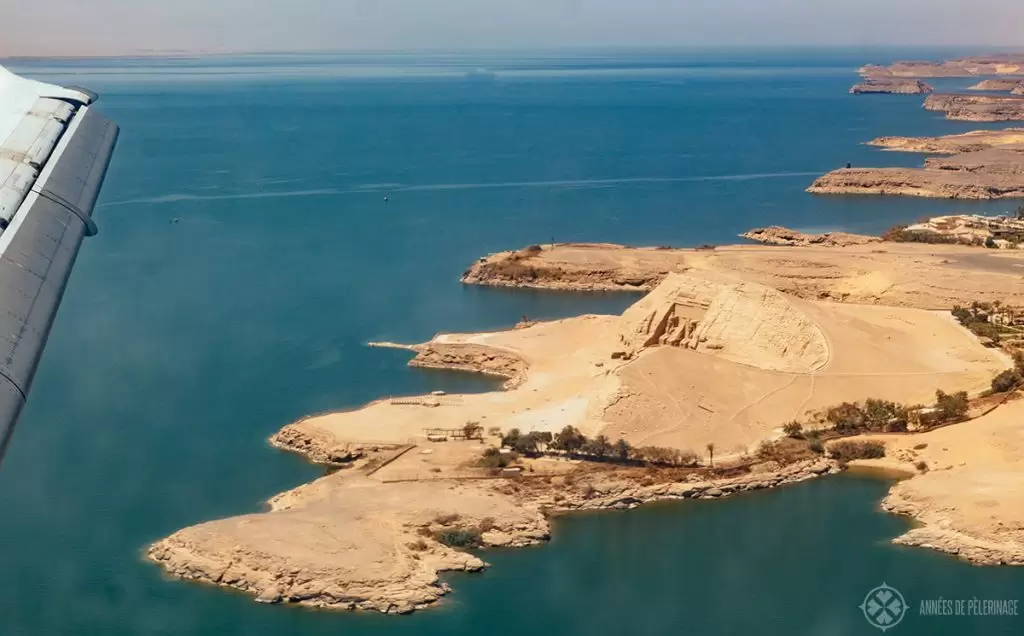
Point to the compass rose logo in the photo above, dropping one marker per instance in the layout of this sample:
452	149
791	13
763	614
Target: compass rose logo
884	607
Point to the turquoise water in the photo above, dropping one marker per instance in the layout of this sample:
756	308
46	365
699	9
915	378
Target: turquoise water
181	346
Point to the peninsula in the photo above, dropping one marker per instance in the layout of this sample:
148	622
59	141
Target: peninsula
891	85
982	108
898	274
742	368
702	382
980	165
1013	85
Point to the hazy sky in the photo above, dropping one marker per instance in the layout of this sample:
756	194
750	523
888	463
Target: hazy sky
125	26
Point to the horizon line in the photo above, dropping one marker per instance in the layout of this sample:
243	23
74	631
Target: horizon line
591	49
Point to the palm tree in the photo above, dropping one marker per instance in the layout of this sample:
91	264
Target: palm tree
711	453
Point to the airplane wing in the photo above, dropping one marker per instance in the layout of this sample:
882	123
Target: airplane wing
53	157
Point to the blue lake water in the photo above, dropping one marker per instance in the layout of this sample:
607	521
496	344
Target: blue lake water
181	346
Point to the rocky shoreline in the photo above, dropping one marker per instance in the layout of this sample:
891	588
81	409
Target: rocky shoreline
980	108
973	141
472	358
979	165
518	268
891	86
970	549
1014	86
969	182
730	345
928	276
778	235
972	66
415	584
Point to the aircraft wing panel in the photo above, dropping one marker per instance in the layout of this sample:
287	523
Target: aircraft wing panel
55	158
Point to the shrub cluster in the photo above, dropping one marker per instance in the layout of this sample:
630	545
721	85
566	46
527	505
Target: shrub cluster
794	429
788	450
950	406
874	415
494	459
900	234
473	430
846	450
1010	379
1006	381
459	537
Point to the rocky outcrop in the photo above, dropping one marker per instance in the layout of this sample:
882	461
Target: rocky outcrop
348	542
961	545
944	184
743	322
375	546
890	86
965	489
953	144
990	173
979	65
777	235
321	448
1002	166
526	268
977	107
759	326
997	85
982	164
1003	545
615	493
472	358
668	315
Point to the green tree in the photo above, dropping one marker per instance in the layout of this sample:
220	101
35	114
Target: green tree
658	455
570	440
472	430
846	417
1008	380
883	415
511	438
951	406
526	444
543	437
846	450
711	453
599	447
793	429
687	458
533	442
963	316
622	451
